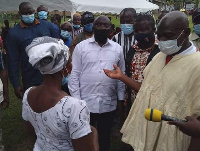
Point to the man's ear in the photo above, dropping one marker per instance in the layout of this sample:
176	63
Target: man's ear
187	31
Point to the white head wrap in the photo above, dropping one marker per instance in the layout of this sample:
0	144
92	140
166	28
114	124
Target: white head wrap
47	54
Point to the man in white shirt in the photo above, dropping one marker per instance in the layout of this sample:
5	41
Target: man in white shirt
89	82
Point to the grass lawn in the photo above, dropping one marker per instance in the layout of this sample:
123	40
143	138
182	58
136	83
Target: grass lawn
14	136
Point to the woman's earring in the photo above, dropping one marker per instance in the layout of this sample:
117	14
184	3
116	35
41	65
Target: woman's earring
66	70
63	73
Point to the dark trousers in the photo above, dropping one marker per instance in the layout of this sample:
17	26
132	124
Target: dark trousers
103	122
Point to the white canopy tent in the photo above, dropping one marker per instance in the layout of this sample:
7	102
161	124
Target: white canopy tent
100	6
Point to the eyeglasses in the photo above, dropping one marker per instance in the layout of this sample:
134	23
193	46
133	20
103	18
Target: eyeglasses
99	25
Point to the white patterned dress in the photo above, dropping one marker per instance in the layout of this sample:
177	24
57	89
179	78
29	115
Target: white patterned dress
56	127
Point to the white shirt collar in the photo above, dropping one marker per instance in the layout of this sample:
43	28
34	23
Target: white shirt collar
192	49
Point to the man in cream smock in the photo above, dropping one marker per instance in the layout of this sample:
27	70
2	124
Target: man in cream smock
172	85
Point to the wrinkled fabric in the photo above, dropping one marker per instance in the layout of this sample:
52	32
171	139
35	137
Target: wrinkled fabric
173	89
56	127
47	54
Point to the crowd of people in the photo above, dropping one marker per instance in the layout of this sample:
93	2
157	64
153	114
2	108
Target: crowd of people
75	78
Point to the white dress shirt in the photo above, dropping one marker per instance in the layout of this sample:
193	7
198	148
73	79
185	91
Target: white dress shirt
88	80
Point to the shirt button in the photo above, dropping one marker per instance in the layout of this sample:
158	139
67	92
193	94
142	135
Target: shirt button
99	71
100	60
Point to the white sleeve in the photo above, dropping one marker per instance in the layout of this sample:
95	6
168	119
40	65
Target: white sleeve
73	84
79	120
25	107
120	84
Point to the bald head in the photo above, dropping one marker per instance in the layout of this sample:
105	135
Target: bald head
175	19
174	26
102	19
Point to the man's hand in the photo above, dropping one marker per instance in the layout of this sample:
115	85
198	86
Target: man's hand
191	127
19	92
114	74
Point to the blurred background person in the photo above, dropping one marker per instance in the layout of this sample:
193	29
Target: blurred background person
77	24
19	37
87	20
141	53
66	33
42	12
161	15
126	37
66	36
4	34
195	34
56	21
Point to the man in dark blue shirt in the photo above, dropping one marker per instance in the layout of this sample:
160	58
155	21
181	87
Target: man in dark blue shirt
18	39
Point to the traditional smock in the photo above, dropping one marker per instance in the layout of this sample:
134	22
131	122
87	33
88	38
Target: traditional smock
174	89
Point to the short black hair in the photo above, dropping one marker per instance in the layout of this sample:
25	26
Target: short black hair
56	17
87	17
132	10
42	6
24	4
146	17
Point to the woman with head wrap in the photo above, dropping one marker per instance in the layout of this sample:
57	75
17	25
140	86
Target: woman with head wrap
59	121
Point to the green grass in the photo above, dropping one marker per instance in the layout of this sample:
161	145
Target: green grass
14	135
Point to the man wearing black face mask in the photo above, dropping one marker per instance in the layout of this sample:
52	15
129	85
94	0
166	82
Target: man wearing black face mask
141	53
89	82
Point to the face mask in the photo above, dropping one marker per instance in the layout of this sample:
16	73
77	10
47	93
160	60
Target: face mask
127	28
65	34
145	40
197	29
88	27
42	15
169	47
101	35
28	18
76	26
65	80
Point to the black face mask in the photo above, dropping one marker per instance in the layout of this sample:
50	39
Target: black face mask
145	40
101	35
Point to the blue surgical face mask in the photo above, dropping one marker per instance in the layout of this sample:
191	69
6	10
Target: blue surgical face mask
42	15
65	34
65	80
88	27
28	18
197	29
76	26
127	28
